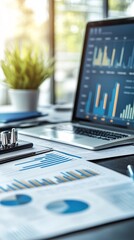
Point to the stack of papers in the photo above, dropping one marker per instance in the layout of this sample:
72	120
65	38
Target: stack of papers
57	193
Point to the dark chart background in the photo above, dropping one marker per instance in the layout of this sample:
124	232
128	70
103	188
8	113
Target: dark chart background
107	84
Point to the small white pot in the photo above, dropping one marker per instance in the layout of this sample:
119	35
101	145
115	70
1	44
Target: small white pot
24	100
3	94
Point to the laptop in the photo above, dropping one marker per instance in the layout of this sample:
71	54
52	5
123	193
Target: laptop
103	111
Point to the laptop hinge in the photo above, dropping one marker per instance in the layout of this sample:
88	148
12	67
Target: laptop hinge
105	127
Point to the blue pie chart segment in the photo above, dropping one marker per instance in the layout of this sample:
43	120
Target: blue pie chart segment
16	200
67	206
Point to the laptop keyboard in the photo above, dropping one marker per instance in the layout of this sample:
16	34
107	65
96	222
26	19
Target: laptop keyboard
94	133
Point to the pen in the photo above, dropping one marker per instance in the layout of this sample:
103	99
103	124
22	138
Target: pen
24	155
130	169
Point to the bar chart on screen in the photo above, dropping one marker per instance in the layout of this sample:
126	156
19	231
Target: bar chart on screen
118	54
112	101
104	104
107	87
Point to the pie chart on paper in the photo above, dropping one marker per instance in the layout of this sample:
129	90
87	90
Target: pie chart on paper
16	200
68	206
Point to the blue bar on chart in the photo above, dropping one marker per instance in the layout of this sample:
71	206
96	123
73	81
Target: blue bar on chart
128	112
88	104
47	160
63	177
101	104
114	101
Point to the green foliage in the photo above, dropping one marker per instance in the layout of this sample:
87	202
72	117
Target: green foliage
25	67
118	5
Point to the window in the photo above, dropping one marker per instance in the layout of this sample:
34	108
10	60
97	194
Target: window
30	19
25	20
121	8
71	17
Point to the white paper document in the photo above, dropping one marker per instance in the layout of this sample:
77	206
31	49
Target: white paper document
84	153
54	168
56	193
48	212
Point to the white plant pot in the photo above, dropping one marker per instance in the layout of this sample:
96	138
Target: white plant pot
24	100
3	94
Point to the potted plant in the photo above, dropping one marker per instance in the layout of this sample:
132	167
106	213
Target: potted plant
25	69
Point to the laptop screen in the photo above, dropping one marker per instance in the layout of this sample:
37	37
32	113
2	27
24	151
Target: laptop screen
105	92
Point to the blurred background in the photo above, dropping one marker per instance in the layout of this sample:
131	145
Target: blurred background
59	27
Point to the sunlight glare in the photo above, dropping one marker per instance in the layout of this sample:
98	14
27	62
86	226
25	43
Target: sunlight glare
40	9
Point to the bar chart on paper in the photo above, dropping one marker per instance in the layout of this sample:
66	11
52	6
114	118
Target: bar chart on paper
62	177
45	161
47	169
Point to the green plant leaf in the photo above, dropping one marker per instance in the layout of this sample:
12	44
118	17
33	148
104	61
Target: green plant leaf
25	66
